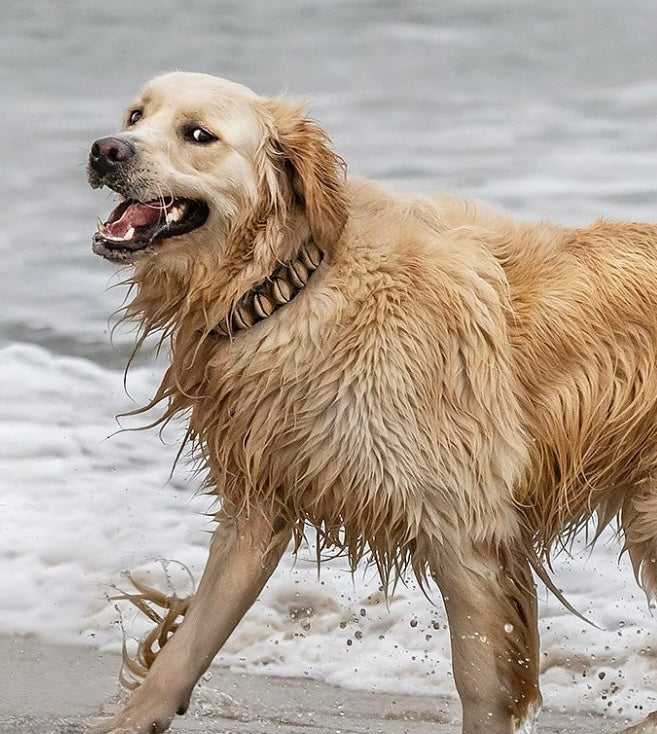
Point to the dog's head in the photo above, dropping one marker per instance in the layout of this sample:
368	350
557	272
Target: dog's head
201	161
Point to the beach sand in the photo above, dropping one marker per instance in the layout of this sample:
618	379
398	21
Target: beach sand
50	689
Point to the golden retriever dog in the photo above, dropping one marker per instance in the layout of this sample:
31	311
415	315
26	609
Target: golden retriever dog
428	383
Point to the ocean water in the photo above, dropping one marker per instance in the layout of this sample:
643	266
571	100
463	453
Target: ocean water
546	109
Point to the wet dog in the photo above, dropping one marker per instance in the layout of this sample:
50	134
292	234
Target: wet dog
428	383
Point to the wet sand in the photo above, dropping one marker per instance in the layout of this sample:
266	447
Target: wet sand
49	689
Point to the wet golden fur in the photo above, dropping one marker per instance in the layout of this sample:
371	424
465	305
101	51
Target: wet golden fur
452	390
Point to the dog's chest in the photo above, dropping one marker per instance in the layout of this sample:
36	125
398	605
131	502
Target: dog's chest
330	435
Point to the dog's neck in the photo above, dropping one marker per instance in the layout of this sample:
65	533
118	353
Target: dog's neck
270	294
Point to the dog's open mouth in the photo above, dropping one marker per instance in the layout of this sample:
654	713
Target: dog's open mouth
135	226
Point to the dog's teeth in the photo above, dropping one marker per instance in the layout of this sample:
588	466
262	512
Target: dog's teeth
176	213
114	238
100	226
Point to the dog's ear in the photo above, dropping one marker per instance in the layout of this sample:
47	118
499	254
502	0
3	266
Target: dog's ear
315	173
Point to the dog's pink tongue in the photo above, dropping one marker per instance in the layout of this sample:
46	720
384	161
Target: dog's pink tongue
136	215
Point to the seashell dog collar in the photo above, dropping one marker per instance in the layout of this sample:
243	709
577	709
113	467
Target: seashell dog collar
273	292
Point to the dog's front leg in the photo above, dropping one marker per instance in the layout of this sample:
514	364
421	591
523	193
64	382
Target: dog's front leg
491	606
243	555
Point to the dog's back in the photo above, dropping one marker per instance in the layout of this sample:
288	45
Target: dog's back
583	328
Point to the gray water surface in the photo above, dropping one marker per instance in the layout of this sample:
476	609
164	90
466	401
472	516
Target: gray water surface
546	108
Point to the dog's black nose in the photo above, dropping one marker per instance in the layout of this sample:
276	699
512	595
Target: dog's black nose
107	153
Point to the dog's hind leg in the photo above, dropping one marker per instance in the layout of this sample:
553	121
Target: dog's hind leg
491	607
243	554
639	521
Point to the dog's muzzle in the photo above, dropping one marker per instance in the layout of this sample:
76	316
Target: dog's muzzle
144	217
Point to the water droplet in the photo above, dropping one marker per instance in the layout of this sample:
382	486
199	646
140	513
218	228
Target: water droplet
508	628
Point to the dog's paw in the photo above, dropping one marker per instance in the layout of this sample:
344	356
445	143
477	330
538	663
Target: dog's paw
150	709
647	726
153	726
134	722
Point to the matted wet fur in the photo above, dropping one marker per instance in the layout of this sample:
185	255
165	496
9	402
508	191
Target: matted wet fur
451	391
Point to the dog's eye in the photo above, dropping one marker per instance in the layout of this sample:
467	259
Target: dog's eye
135	116
197	134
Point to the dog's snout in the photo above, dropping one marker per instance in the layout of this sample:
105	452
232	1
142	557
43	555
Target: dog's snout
107	153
